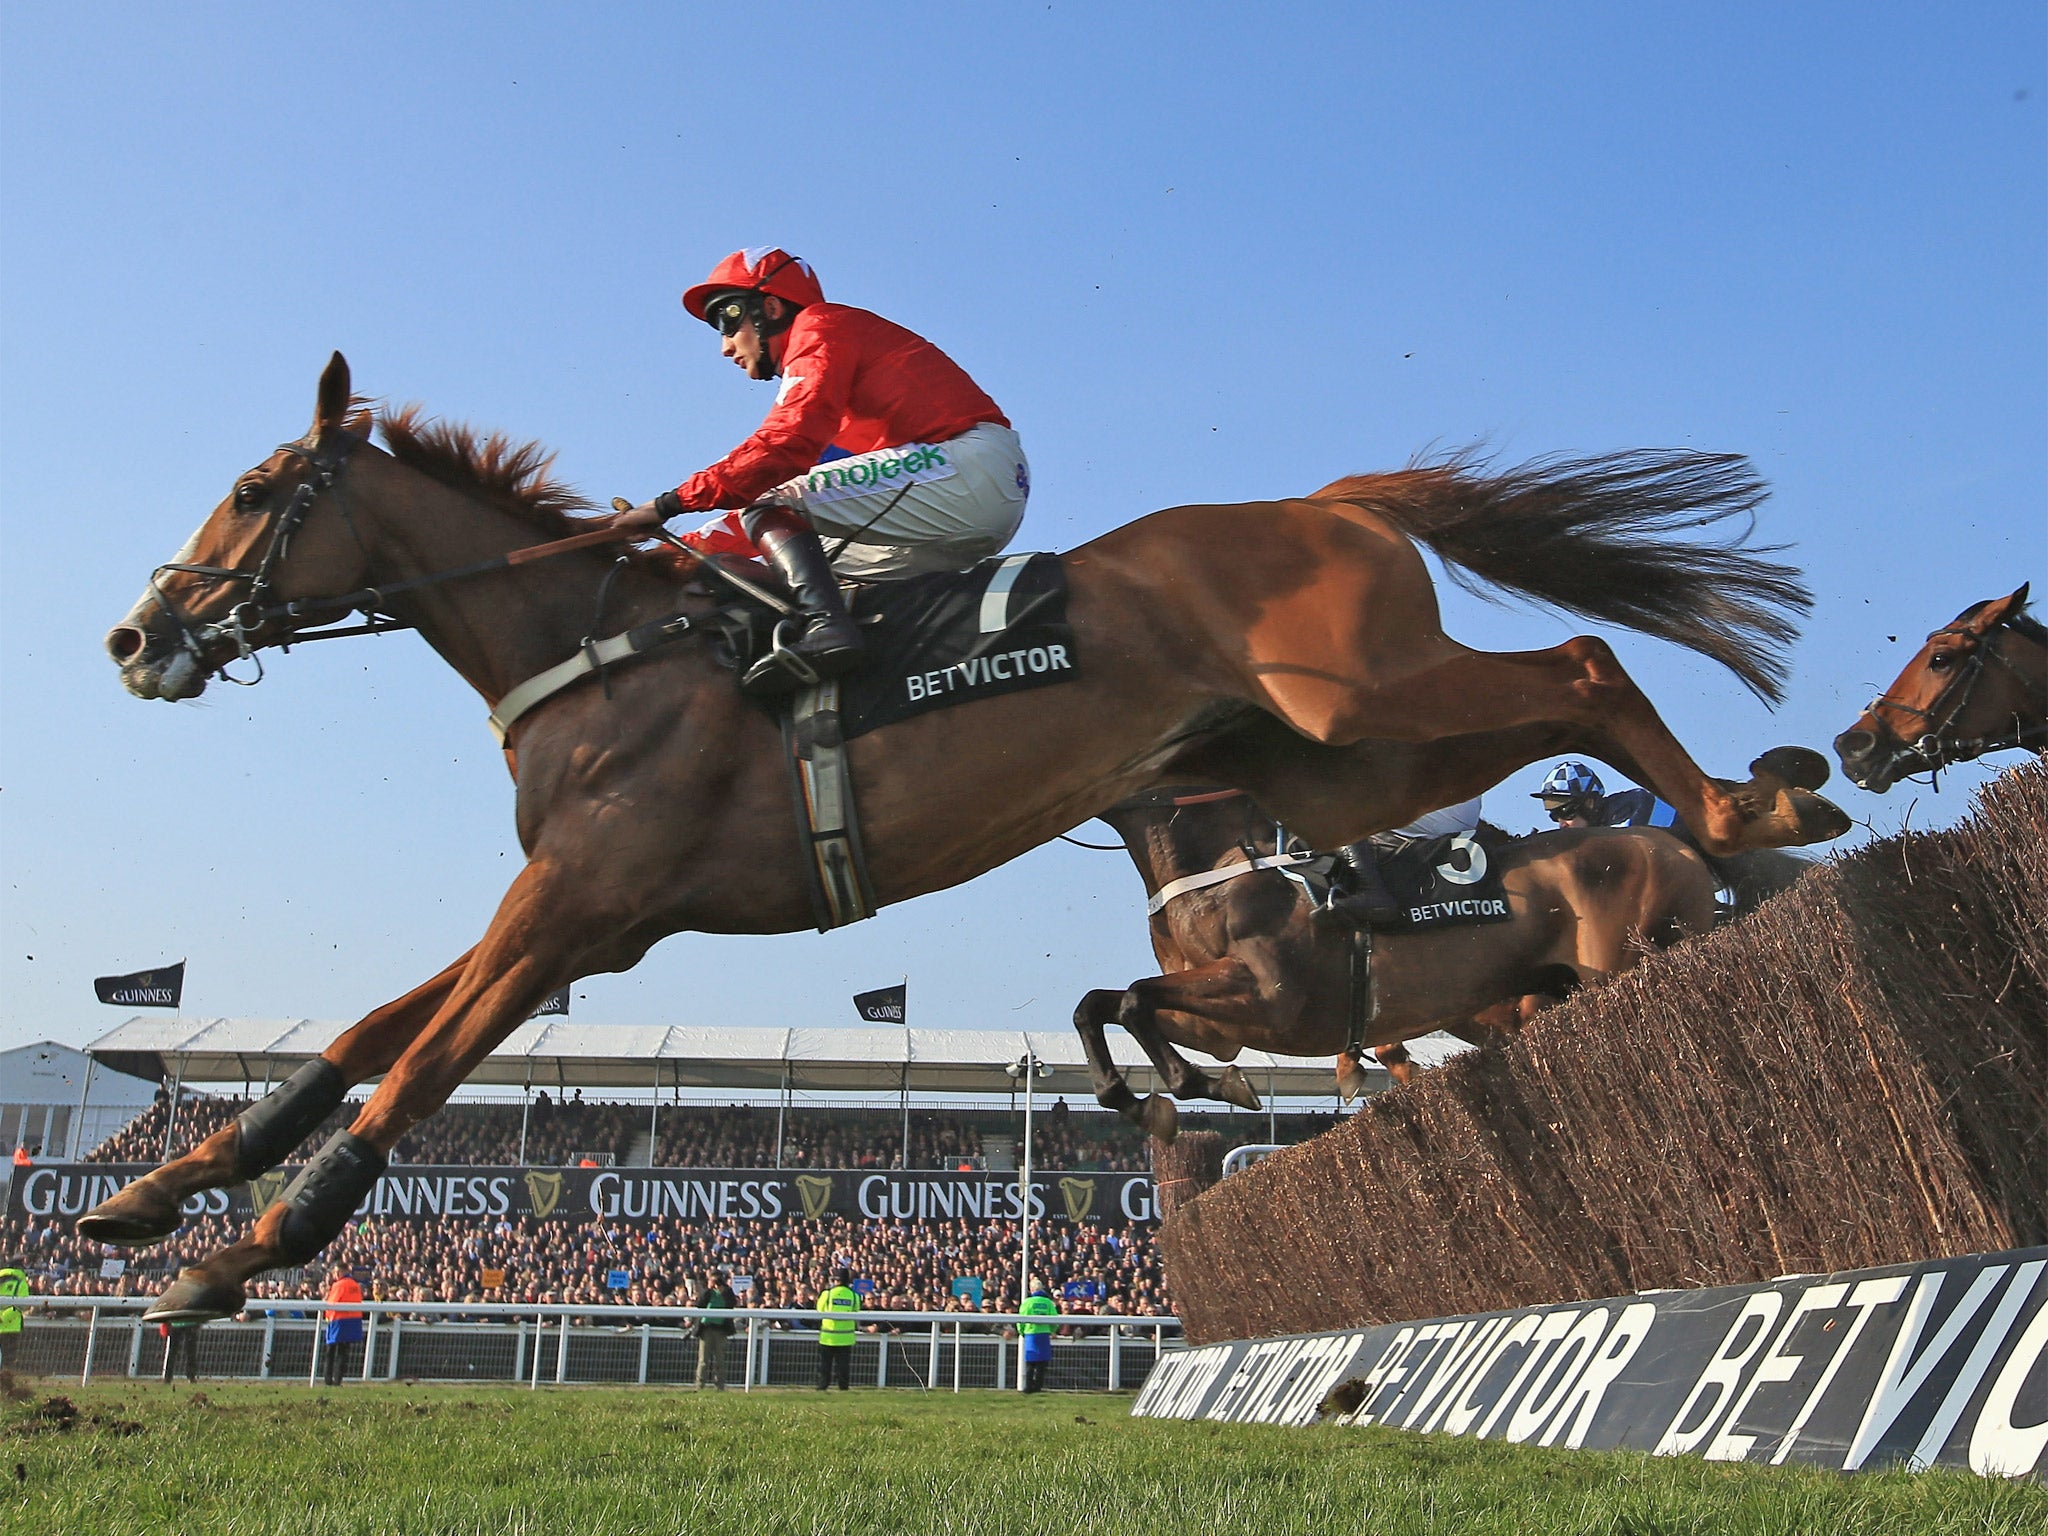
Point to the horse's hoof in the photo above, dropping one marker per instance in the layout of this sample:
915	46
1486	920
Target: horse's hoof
1800	767
1159	1117
1819	820
1351	1078
194	1298
1233	1087
132	1217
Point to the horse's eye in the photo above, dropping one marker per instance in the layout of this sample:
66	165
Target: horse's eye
1940	661
249	495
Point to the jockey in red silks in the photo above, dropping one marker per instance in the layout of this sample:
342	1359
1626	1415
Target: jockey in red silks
876	438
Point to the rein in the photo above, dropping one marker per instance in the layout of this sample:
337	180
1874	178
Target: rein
1933	747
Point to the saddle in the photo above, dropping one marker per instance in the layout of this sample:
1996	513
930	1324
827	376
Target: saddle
930	642
1445	882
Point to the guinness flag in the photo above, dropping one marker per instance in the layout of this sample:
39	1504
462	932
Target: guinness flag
163	987
554	1006
886	1006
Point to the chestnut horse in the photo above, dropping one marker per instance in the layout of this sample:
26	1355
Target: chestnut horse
1979	685
1245	963
1291	648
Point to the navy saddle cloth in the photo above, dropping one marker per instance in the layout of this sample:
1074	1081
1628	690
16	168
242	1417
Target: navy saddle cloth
1445	882
943	639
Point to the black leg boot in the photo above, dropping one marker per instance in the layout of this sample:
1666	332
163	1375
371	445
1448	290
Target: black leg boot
1366	901
830	642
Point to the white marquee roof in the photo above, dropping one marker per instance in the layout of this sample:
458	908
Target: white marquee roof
561	1053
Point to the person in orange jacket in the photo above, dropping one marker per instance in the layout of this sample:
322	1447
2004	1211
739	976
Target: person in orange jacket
876	437
344	1326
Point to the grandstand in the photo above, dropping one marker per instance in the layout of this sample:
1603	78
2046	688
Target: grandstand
856	1099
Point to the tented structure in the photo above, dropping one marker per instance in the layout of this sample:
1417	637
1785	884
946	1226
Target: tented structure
560	1054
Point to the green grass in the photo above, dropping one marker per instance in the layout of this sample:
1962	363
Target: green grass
454	1461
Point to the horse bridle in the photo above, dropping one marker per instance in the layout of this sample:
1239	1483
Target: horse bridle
325	463
1933	748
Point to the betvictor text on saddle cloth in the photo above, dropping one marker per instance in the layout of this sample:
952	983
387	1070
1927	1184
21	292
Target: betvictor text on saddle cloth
951	638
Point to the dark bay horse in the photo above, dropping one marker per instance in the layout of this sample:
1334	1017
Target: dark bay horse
1978	685
1290	648
1244	962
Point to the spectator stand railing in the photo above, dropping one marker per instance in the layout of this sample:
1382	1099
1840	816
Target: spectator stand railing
530	1342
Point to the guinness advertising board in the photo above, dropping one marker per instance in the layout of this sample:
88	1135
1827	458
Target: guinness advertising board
1943	1363
62	1191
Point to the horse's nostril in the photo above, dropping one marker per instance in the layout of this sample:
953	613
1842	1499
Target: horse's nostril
1852	745
125	642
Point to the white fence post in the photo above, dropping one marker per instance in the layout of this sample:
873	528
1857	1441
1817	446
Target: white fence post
562	1354
753	1333
1116	1357
519	1353
92	1333
931	1373
369	1344
269	1345
134	1344
646	1335
313	1370
956	1357
391	1360
540	1332
1002	1366
882	1360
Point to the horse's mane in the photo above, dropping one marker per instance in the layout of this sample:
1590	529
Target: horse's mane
513	476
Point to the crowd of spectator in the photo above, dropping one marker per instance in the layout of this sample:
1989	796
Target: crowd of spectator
557	1131
911	1264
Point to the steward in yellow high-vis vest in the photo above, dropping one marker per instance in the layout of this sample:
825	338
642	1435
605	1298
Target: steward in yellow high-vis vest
836	1331
1037	1337
12	1283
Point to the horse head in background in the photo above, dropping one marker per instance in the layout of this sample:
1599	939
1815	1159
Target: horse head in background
1978	685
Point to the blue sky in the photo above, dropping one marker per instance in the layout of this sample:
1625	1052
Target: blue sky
1198	252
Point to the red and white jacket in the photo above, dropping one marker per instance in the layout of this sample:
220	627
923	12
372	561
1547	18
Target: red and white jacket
850	380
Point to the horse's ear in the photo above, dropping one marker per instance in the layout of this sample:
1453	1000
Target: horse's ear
1999	609
335	397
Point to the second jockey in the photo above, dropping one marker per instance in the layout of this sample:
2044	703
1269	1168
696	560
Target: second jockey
877	439
1573	796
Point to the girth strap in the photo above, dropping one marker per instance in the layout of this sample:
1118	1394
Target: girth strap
821	779
1364	1001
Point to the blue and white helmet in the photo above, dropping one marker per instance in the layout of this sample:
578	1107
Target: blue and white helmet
1571	781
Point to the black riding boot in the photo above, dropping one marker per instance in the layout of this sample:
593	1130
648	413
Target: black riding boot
1366	899
830	642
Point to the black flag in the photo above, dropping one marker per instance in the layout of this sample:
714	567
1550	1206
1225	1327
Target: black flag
886	1006
554	1006
163	987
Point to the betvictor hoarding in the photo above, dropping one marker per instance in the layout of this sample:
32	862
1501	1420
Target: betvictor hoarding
66	1190
1944	1362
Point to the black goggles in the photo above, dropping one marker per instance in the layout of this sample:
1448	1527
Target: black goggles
729	311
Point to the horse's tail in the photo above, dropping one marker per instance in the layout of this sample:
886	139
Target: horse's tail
1595	537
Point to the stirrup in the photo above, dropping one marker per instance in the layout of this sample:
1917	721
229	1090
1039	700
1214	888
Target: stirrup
784	669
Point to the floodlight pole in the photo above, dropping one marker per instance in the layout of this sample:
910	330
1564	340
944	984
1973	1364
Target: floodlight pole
1030	1065
78	1149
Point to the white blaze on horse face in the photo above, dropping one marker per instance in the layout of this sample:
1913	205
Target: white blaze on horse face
178	676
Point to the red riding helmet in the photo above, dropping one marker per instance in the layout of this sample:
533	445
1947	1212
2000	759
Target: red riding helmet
758	269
